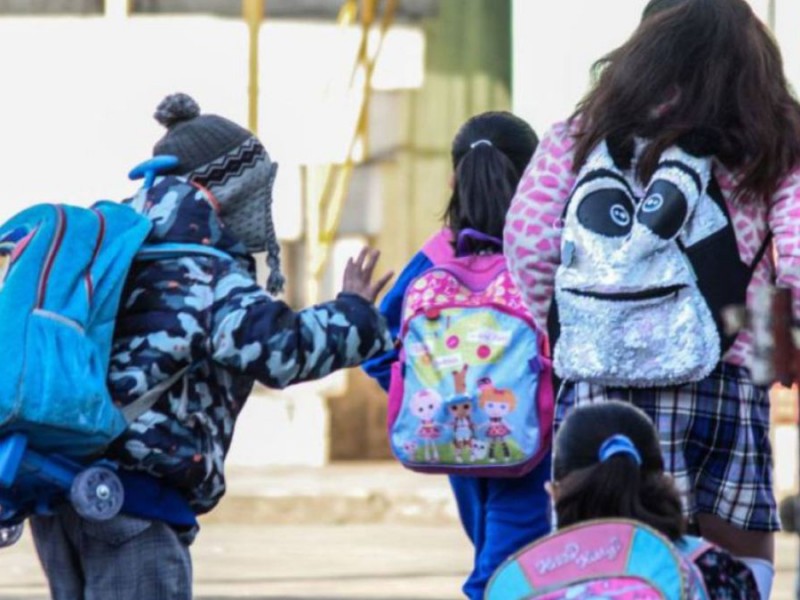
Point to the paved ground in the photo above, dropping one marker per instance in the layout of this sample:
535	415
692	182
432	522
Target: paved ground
369	531
299	562
373	492
321	562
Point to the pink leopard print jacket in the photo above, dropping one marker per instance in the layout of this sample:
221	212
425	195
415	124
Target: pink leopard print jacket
533	230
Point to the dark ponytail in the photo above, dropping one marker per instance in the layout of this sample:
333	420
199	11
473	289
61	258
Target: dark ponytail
490	153
618	487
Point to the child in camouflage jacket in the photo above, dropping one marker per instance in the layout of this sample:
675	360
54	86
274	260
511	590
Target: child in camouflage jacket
207	315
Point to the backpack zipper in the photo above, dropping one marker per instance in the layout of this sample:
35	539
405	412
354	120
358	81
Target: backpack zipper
101	234
55	246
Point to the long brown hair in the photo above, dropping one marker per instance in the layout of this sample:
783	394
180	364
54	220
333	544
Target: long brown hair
707	67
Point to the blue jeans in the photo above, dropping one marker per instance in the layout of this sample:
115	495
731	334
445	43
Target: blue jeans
501	516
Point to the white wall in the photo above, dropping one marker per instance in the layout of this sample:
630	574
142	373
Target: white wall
554	46
79	94
76	114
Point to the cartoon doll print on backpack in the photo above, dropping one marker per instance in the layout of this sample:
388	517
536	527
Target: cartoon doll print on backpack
472	392
63	272
646	273
601	560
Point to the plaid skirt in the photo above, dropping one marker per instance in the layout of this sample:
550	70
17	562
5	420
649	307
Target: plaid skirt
715	439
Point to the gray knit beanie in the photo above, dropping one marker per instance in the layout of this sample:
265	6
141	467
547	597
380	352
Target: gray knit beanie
232	164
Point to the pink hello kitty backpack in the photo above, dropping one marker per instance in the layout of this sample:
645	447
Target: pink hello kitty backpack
472	393
602	560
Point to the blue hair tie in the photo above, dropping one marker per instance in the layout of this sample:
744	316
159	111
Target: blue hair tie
619	444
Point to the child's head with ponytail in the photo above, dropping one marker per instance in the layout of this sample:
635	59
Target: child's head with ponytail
490	153
608	464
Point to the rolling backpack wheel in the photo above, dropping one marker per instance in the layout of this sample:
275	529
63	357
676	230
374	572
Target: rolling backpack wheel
10	535
97	494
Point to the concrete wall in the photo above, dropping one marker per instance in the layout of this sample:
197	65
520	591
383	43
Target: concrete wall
77	116
77	106
296	9
467	71
29	7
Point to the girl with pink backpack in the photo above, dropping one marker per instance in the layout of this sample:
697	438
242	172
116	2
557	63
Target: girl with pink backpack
621	530
470	391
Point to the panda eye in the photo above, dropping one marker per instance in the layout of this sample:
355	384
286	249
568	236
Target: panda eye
430	406
619	215
420	409
664	210
607	211
653	203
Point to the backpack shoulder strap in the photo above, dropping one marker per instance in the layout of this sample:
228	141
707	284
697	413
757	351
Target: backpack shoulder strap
692	547
175	250
146	401
715	193
439	247
765	247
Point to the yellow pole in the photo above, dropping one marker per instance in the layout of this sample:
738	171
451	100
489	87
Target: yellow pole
253	13
771	14
117	9
337	180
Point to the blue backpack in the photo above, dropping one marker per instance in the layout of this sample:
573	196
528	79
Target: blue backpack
63	270
62	273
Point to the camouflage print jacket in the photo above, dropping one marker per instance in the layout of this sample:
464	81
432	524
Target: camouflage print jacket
210	314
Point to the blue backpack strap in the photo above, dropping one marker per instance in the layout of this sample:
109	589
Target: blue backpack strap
176	250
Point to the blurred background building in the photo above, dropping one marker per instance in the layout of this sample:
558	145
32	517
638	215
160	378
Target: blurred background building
358	101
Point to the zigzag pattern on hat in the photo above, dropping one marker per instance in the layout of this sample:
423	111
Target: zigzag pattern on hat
232	164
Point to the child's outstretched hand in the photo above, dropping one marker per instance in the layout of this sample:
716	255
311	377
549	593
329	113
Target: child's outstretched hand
358	276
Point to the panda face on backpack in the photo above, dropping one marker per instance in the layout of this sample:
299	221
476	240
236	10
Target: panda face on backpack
645	274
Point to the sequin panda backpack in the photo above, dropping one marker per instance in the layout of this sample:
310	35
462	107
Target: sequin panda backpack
645	277
603	560
472	393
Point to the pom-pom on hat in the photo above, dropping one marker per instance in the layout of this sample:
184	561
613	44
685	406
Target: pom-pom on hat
232	164
196	139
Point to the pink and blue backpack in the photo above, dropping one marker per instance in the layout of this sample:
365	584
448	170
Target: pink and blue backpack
602	560
472	393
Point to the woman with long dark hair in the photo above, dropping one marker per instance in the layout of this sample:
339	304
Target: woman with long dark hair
654	206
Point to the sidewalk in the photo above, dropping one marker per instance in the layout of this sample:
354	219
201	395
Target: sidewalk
298	562
343	493
355	531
